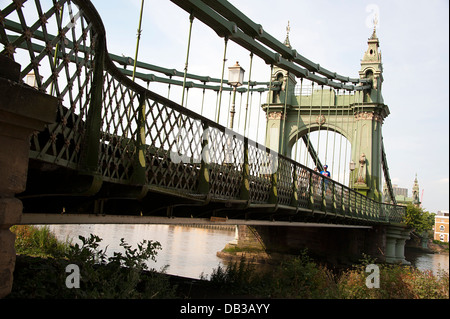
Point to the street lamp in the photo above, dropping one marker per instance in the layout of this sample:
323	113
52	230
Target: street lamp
352	168
235	79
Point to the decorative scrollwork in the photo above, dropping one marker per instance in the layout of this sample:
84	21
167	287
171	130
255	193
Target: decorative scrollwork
320	119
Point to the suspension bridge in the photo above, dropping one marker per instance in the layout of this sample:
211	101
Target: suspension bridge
84	140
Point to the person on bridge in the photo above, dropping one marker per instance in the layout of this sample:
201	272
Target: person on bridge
327	174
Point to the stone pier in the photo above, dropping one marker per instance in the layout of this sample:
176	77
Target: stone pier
396	237
333	245
23	110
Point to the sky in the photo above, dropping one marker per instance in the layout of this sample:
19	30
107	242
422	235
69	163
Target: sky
414	43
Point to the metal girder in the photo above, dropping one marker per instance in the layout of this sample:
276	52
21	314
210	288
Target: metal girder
233	14
173	72
208	16
189	84
219	24
255	31
136	135
312	152
387	177
54	219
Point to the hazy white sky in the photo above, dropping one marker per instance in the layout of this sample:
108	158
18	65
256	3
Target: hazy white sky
414	41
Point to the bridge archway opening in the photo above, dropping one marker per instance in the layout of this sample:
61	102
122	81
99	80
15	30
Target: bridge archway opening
333	149
369	73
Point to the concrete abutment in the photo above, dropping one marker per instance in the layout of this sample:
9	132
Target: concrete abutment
338	246
23	110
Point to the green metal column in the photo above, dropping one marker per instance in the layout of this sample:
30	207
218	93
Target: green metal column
245	186
90	148
138	176
294	198
203	178
279	102
366	153
273	194
370	112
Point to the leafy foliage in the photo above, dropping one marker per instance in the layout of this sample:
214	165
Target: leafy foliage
40	241
418	219
127	275
301	277
123	275
396	282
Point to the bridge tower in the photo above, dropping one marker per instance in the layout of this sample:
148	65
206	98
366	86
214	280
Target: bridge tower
369	116
358	117
280	100
415	193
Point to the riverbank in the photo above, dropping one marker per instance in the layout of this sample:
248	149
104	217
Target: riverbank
300	277
429	246
438	247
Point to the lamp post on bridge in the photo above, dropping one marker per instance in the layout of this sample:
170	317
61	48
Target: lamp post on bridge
235	79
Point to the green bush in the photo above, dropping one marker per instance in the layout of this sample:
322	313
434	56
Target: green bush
303	278
298	277
41	274
396	282
38	241
123	275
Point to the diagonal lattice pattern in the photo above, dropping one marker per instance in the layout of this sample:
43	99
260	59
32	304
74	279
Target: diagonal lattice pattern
174	148
262	164
119	131
58	65
226	163
140	137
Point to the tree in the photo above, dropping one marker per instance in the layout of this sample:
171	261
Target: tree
418	219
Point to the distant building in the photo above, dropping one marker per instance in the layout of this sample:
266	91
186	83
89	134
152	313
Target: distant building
401	194
415	192
441	226
399	191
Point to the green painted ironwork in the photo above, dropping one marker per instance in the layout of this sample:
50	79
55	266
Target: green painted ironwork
227	21
119	132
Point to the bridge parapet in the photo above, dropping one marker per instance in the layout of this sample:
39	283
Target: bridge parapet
111	134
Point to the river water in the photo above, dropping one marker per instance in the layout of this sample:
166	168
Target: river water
190	251
433	262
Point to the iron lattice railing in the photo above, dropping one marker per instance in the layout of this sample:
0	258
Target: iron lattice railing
108	125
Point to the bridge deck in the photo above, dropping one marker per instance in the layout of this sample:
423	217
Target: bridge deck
53	219
119	149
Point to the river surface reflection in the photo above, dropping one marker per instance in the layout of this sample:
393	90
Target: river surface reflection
433	262
188	251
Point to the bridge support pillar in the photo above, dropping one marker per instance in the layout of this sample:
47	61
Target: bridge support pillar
390	249
396	237
335	245
23	110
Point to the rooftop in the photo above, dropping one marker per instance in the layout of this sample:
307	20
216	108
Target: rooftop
442	213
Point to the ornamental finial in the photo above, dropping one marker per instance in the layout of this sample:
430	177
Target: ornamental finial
375	23
287	42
